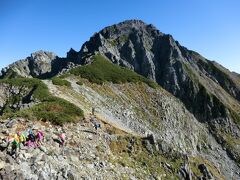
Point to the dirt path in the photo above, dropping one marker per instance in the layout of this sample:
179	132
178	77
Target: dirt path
104	117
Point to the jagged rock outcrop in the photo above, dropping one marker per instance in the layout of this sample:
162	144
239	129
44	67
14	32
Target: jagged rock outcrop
208	90
41	64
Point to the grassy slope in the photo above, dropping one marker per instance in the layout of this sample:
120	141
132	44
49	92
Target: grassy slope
50	108
102	70
137	156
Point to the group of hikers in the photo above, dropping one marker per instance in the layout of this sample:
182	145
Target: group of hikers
27	138
14	142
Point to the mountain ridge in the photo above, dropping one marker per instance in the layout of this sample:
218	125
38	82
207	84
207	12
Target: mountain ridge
206	93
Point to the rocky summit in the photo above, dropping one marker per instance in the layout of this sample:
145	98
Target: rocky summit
133	104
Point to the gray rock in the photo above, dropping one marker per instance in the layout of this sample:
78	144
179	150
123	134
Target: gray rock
10	123
41	64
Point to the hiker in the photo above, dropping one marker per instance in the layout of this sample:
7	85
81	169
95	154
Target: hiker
22	138
29	143
15	146
93	111
30	131
97	125
40	137
16	137
10	139
31	140
62	138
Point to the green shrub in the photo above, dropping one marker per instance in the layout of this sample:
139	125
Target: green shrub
102	70
57	111
60	82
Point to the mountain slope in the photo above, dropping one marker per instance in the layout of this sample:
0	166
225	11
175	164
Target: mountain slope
173	127
208	90
130	72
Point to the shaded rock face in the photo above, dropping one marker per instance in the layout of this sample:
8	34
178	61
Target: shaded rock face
208	90
41	64
15	98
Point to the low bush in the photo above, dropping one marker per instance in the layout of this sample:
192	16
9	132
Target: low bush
60	82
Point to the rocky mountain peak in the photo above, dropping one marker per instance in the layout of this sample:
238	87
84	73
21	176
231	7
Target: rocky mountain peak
133	44
128	27
42	56
35	65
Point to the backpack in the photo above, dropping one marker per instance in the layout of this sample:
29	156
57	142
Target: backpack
62	136
15	144
16	138
31	137
39	135
22	138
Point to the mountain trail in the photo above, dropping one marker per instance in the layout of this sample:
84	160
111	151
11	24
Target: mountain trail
54	90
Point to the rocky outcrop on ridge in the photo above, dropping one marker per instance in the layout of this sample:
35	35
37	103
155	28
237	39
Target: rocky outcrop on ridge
41	64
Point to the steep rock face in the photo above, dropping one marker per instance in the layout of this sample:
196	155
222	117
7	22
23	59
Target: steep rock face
41	64
208	90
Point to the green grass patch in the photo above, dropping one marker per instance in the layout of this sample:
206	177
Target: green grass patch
102	70
196	161
57	111
50	108
60	82
235	116
40	90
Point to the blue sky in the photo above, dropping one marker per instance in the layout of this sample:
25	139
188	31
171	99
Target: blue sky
210	27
